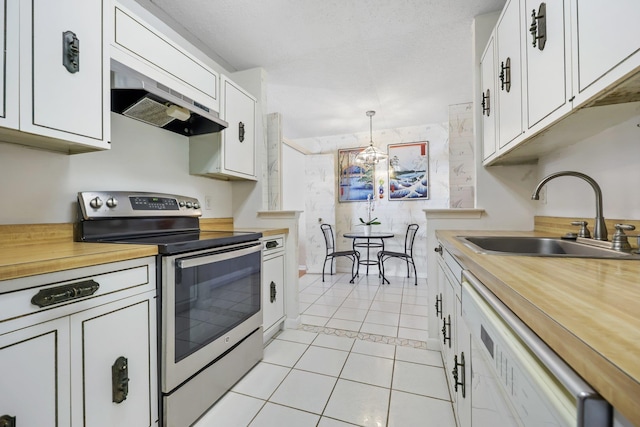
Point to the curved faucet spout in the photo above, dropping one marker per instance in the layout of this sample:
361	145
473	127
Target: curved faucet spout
600	228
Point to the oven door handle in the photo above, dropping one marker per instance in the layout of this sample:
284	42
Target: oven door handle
221	255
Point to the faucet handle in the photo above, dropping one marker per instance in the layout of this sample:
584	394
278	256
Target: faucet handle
620	241
584	231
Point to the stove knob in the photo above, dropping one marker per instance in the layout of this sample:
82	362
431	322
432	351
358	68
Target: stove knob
196	206
181	204
189	205
95	203
112	203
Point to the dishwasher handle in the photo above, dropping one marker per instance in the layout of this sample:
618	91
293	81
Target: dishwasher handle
593	410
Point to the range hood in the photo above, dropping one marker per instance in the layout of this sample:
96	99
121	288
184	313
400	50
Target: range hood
139	97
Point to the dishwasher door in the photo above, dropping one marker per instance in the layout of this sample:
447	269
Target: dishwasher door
537	387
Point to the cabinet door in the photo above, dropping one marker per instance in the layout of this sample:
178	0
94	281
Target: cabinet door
59	101
546	67
239	137
448	326
35	374
463	346
101	336
509	71
272	291
489	98
607	34
9	63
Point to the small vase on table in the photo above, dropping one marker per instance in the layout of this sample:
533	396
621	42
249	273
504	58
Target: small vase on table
367	230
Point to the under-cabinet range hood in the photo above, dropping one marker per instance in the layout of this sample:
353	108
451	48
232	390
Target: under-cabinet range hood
142	98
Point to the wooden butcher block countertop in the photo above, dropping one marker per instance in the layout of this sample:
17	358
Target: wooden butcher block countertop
28	250
586	310
31	249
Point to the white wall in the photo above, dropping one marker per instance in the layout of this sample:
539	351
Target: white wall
41	187
293	192
612	158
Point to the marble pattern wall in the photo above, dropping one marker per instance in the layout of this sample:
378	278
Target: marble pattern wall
394	216
462	170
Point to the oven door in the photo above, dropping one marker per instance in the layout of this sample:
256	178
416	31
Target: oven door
211	301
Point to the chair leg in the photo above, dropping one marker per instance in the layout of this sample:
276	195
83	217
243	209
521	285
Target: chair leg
408	268
415	274
384	279
323	267
353	269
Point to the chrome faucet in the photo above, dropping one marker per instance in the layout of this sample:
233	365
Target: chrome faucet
600	228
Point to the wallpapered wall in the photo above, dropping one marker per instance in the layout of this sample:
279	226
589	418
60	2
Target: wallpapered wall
321	200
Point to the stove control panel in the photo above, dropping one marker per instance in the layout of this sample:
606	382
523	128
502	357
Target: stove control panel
122	204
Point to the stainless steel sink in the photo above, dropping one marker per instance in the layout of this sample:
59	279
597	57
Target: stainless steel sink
540	246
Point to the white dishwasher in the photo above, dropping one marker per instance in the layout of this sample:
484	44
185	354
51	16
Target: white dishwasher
516	378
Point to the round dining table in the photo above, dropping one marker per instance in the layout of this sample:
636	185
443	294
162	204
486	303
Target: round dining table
364	241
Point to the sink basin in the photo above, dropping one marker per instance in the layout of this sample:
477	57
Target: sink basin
540	246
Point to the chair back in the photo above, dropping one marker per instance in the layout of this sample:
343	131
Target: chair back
327	231
412	229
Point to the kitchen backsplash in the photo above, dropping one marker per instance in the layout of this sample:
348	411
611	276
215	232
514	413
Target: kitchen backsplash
41	186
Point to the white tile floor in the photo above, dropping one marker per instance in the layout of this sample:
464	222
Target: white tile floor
360	358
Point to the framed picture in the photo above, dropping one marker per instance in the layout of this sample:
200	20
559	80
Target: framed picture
409	171
355	180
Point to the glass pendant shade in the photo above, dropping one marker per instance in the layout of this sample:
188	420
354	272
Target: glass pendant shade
371	155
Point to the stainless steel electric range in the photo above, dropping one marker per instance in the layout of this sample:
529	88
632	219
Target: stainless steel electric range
209	284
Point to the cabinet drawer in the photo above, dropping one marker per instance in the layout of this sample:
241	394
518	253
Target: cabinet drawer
272	245
139	39
19	304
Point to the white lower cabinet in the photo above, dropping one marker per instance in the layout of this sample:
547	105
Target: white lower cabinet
113	341
75	357
273	289
33	361
455	338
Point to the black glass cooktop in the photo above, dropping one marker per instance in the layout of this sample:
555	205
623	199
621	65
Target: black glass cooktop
171	243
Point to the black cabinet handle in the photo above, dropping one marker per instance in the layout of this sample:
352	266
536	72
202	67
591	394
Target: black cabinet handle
538	27
505	75
273	292
70	52
241	131
486	103
120	380
7	421
457	374
438	249
439	305
446	330
50	296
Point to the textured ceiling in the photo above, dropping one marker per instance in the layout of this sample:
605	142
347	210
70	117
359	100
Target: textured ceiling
328	62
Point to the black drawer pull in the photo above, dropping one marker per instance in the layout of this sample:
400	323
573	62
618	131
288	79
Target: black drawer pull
7	421
51	296
271	244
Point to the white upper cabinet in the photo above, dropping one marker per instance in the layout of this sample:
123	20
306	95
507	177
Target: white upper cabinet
62	75
607	43
489	98
230	154
508	40
546	59
9	64
239	110
552	60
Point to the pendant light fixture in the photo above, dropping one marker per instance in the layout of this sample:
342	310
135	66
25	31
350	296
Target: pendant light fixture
371	155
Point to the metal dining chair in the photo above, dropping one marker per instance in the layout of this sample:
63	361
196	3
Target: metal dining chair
407	255
332	254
